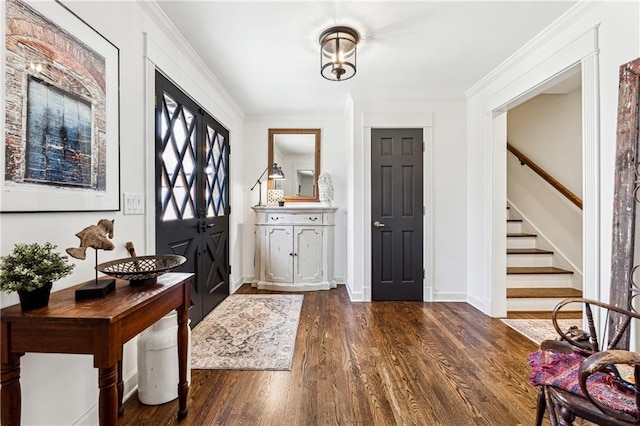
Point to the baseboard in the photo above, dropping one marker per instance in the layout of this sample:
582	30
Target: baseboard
236	285
130	385
481	305
440	296
354	296
90	417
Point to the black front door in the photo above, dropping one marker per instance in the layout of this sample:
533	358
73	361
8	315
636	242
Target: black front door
192	195
397	214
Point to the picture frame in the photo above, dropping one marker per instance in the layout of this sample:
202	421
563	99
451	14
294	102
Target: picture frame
60	98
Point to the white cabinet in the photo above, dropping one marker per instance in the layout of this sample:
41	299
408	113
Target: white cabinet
294	248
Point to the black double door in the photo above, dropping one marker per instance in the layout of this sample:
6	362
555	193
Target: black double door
192	194
397	214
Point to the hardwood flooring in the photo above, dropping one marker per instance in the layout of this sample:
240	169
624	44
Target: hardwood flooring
380	363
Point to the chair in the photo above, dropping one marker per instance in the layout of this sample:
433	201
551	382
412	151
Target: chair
589	378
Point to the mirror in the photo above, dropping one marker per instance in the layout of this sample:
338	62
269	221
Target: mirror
297	153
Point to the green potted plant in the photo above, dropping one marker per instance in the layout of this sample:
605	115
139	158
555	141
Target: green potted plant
281	200
31	269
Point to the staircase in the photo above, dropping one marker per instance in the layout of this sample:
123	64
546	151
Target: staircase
533	283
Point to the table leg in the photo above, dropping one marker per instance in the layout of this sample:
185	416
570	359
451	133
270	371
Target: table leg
183	345
120	389
10	397
108	400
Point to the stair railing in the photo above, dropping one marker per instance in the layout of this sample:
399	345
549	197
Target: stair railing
526	161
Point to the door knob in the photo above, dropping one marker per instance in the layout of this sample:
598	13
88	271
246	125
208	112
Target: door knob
378	224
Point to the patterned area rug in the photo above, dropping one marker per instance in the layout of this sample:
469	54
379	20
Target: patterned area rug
538	330
248	332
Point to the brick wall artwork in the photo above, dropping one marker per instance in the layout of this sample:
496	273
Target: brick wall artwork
56	106
52	101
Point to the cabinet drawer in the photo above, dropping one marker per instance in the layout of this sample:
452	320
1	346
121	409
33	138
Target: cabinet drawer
294	218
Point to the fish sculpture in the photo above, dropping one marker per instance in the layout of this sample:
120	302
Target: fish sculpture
94	236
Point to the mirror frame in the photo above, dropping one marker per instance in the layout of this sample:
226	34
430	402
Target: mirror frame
317	133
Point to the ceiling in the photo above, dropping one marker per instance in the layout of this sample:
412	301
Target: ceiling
266	53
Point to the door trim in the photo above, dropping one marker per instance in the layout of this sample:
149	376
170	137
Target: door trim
571	55
423	121
164	54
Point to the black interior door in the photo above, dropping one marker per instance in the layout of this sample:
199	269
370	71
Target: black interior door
192	196
397	214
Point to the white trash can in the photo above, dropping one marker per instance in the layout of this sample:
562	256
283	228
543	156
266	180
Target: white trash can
158	361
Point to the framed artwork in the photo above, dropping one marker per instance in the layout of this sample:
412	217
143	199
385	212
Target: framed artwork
61	120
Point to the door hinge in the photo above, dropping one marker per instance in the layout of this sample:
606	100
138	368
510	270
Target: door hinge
424	210
423	147
229	269
229	209
229	148
424	274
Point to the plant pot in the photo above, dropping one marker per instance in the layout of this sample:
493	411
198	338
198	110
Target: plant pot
38	298
281	203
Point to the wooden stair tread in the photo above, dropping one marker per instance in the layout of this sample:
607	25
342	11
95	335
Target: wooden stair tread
519	293
528	251
520	234
513	270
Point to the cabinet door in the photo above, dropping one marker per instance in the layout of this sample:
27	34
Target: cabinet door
279	254
307	257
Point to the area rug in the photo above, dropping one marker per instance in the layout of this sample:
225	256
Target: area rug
248	332
538	330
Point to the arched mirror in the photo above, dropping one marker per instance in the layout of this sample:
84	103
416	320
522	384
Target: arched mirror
297	153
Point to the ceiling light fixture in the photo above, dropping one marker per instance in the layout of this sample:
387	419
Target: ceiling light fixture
338	53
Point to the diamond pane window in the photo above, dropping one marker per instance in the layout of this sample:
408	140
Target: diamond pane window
216	174
178	161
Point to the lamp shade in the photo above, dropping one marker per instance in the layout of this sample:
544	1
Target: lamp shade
275	172
338	53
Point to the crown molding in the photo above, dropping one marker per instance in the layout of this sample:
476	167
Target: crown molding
175	36
549	33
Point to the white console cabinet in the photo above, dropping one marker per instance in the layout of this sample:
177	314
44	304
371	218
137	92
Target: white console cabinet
294	248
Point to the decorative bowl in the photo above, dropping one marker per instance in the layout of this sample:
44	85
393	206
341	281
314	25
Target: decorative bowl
141	270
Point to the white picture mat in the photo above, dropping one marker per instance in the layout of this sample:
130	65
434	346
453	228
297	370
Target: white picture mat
22	197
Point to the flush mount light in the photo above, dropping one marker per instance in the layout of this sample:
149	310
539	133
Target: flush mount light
338	53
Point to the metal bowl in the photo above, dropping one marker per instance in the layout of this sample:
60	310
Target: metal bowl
141	270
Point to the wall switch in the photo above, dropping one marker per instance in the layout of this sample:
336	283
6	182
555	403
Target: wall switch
133	203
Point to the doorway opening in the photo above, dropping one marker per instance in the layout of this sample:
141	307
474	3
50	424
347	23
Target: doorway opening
544	183
587	67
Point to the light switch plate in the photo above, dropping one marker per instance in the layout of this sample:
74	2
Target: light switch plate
133	203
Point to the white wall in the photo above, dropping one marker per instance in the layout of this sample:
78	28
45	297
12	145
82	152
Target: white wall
548	130
445	191
600	36
333	160
123	23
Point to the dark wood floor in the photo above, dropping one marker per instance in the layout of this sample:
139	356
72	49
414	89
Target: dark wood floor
407	363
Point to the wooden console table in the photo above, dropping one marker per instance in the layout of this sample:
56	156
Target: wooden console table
99	327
